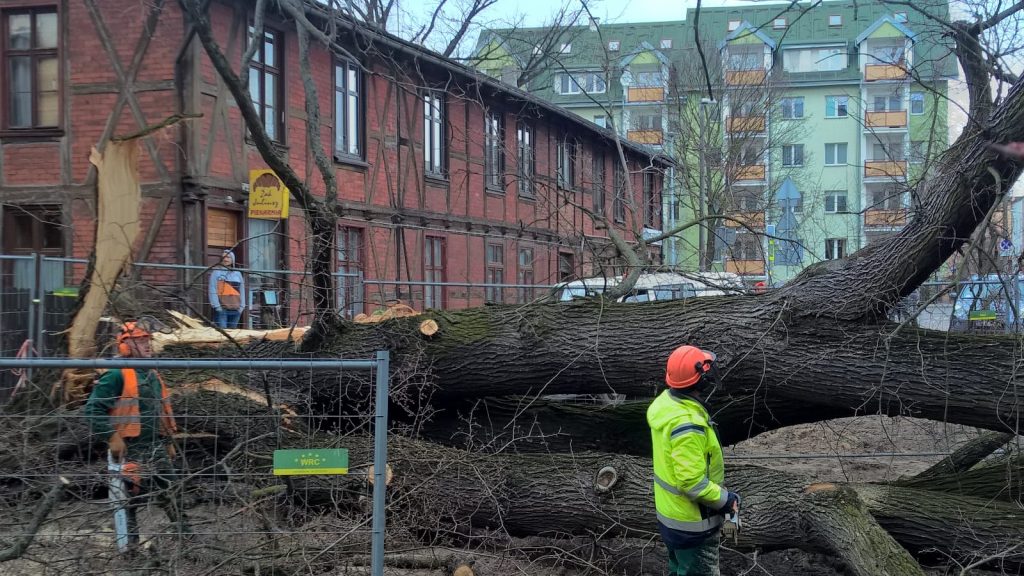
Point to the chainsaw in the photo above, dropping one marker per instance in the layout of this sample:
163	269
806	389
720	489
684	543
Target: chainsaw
118	495
732	526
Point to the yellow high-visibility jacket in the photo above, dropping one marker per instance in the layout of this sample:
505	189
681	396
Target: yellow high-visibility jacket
688	467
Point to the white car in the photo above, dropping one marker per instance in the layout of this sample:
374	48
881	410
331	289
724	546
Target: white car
655	286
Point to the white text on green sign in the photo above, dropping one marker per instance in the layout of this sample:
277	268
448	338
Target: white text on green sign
310	461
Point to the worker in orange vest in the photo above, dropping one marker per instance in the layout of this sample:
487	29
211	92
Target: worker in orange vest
131	410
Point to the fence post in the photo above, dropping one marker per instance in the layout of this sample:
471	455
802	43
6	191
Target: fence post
33	309
40	344
380	457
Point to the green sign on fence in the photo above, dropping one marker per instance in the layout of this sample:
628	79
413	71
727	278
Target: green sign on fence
310	461
981	315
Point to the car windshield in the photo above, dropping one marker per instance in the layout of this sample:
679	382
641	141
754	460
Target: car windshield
572	292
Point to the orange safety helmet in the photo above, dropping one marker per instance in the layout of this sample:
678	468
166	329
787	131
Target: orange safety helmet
686	365
129	331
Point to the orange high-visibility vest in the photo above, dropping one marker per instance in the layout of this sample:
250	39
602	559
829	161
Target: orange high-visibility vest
125	415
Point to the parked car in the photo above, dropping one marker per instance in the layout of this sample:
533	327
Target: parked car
983	304
655	286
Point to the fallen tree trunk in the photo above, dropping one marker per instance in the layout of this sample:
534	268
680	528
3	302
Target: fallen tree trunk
555	495
540	424
778	369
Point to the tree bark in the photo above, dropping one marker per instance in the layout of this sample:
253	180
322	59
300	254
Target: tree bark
778	369
966	456
554	495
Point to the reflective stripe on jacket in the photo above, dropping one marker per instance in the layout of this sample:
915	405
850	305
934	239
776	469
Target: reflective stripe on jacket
688	467
125	416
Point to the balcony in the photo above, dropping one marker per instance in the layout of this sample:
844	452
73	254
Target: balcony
750	172
753	219
885	168
746	77
646	136
875	72
655	94
745	124
745	267
887	218
892	119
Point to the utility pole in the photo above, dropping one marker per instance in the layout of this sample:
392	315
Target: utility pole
702	120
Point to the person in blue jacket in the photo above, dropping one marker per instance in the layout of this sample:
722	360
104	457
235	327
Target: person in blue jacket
227	292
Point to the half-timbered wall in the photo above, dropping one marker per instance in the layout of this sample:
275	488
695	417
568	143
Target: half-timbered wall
126	64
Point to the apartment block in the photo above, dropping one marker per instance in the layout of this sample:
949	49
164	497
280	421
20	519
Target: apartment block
798	130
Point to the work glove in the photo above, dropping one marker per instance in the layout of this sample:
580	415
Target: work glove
116	446
732	504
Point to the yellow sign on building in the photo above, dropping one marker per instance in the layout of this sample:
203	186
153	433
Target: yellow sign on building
268	196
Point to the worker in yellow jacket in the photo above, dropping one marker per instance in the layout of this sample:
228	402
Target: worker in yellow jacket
131	410
688	470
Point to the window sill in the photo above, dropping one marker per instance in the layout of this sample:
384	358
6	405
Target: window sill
526	198
350	161
837	117
39	135
437	179
494	190
278	146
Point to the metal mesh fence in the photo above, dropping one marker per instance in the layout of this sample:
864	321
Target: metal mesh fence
216	504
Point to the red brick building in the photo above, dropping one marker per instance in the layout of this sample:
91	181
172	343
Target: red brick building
443	174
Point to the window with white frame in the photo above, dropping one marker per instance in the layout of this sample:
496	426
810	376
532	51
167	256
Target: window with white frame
494	150
835	154
779	23
580	82
835	201
597	179
566	48
745	59
746	246
525	157
433	132
648	79
835	248
792	108
890	102
887	198
793	155
665	44
647	121
613	45
602	120
887	151
889	53
900	17
567	163
750	154
835	20
917	102
495	272
348	116
652	199
745	200
265	86
815	59
525	276
733	24
32	68
837	106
